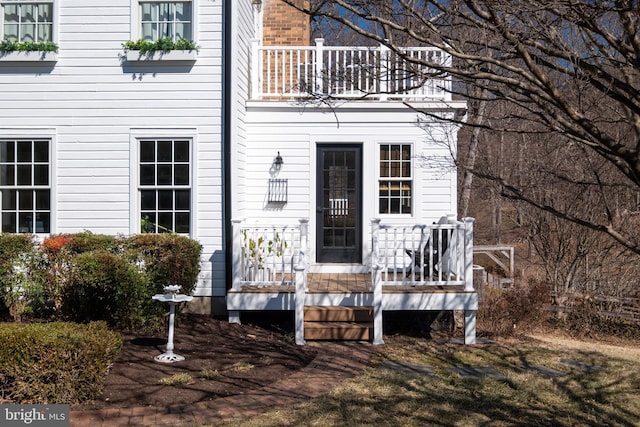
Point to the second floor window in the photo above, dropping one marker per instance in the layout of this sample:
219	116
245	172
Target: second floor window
395	184
24	184
166	19
26	21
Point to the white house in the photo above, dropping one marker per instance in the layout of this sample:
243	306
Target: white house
267	147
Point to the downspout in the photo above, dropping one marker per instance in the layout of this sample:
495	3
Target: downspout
227	16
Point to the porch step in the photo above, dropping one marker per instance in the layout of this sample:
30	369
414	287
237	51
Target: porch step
338	323
319	313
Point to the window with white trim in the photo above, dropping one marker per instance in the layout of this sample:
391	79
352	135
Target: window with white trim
165	185
396	179
25	185
160	19
27	21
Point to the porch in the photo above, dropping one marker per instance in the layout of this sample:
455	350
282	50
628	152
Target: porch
413	268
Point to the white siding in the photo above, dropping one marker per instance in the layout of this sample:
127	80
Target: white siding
244	31
93	100
295	133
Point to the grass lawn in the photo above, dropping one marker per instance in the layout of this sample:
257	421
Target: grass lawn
599	385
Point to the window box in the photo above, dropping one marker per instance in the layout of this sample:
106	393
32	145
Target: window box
161	55
28	56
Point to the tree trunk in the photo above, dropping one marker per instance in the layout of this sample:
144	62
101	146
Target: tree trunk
476	119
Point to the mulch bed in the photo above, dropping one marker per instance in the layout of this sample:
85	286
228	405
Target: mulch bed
222	359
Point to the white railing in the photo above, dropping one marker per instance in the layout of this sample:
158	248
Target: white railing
268	255
347	72
422	255
438	254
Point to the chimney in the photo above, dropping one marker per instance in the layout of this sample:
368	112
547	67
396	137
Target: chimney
282	25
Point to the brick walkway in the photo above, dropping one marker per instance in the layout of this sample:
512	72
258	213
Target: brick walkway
334	363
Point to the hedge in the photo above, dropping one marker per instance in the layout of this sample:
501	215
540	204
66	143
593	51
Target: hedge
84	277
55	363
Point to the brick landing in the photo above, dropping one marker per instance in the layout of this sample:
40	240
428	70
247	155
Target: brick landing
334	363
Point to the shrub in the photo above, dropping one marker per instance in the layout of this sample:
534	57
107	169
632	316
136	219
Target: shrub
22	284
58	252
55	362
86	276
516	310
57	259
87	241
585	318
103	286
167	259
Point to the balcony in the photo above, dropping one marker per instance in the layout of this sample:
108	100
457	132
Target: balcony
359	73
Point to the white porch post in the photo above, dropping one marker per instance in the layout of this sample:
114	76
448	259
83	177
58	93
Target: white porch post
236	250
318	65
469	327
236	268
300	296
256	68
300	271
468	254
304	247
376	283
469	315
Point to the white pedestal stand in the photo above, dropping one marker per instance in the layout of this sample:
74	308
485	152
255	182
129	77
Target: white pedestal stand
172	299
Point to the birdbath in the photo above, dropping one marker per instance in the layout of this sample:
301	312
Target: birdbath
173	298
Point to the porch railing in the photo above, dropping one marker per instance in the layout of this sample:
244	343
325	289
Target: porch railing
439	254
429	255
300	72
268	255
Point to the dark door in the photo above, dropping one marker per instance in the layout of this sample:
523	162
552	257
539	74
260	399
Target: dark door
339	204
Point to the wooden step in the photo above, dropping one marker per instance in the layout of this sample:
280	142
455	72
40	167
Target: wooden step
340	331
338	323
315	313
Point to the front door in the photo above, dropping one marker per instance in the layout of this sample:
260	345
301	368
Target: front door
339	203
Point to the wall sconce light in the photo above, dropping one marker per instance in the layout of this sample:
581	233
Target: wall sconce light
278	162
257	4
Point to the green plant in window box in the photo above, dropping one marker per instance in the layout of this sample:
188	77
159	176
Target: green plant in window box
7	46
164	44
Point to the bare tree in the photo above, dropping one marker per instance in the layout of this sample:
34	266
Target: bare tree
565	72
477	118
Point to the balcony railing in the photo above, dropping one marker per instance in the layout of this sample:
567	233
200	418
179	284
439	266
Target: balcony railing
377	73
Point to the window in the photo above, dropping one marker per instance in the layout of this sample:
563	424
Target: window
166	19
24	183
395	184
165	186
27	21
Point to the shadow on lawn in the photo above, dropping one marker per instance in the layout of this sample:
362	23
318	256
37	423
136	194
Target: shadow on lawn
597	390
